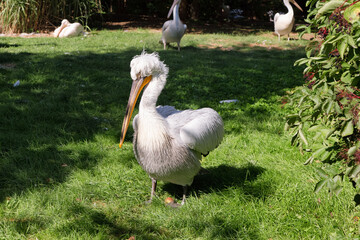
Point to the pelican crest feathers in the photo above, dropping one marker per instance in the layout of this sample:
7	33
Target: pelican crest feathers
147	64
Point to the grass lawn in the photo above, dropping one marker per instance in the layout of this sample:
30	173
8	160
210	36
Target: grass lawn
62	175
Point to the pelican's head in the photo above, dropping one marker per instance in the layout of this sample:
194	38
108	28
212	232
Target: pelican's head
146	70
146	64
176	2
296	5
65	22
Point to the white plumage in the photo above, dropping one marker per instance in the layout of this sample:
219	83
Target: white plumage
173	30
284	23
68	29
168	143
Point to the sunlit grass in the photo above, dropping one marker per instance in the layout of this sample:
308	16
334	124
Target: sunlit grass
62	175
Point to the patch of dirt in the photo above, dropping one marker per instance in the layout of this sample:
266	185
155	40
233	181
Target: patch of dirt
154	24
27	35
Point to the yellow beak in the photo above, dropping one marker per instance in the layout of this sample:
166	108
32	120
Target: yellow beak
136	88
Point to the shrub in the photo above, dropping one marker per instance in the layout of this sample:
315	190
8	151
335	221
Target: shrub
33	15
327	105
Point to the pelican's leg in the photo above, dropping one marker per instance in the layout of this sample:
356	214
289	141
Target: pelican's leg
174	204
184	195
153	189
278	37
178	44
164	42
288	36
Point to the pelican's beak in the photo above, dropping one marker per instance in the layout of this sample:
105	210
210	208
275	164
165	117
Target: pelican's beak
172	7
297	5
136	88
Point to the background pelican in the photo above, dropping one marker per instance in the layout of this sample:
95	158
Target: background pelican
168	143
173	30
68	29
284	22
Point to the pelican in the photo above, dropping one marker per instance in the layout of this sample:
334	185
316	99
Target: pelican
284	22
173	30
168	144
68	29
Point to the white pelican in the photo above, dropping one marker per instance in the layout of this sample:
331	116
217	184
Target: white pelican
284	22
68	29
173	30
167	143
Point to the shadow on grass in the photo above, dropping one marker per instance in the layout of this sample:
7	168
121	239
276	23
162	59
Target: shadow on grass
71	98
6	45
222	177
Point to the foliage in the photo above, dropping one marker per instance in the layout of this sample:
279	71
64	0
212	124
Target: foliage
33	15
326	121
15	13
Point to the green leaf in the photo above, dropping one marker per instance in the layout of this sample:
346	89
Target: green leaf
309	160
352	151
322	173
291	119
351	41
336	189
294	137
338	108
341	46
301	61
348	129
320	185
354	171
330	133
329	7
314	128
326	156
351	14
286	127
334	38
329	107
302	137
346	77
319	152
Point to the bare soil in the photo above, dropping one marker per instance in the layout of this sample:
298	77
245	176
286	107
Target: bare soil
154	24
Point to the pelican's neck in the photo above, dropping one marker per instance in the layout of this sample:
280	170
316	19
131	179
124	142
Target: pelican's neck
151	94
176	13
152	127
288	6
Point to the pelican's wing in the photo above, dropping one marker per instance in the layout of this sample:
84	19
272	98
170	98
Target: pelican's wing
57	31
166	25
277	15
73	30
201	130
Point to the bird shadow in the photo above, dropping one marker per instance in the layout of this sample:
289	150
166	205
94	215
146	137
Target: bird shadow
222	177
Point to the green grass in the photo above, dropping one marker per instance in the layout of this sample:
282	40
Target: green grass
62	175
